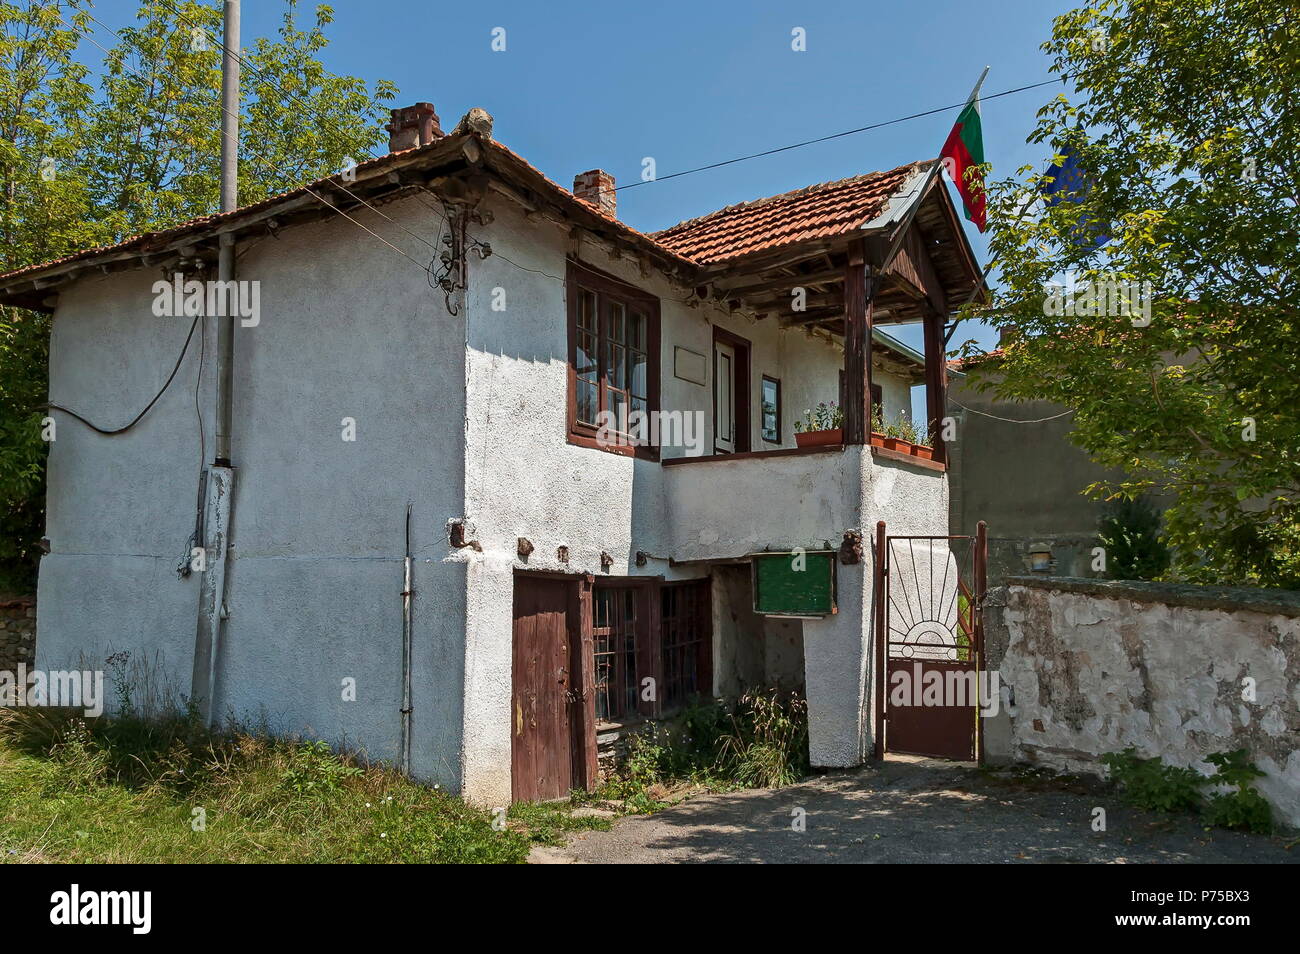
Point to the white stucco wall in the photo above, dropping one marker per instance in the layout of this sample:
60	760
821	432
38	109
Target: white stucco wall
348	329
460	416
1096	672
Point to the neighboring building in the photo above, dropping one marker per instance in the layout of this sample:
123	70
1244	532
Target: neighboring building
1016	468
555	568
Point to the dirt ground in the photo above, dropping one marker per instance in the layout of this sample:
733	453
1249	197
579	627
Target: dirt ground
918	810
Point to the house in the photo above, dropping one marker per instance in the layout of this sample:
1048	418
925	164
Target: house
437	356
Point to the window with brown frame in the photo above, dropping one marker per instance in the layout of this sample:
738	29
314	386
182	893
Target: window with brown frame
614	645
630	643
613	362
769	414
687	646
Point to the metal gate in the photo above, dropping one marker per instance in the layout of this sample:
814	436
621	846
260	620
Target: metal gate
929	598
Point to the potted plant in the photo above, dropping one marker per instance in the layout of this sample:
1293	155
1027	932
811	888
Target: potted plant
820	426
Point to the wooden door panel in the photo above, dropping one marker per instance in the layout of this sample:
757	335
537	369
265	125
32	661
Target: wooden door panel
541	735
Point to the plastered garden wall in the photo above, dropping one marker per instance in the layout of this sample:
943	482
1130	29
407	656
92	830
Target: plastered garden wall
1098	666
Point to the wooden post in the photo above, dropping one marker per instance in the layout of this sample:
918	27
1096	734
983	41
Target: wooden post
880	625
981	561
936	382
583	723
857	347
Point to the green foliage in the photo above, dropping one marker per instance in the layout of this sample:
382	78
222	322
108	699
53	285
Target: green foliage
124	789
1153	785
767	744
901	427
824	417
314	770
1183	119
84	165
1242	807
760	740
1129	531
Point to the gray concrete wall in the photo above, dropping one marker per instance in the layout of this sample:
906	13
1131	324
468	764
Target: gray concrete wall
1026	480
348	329
1179	672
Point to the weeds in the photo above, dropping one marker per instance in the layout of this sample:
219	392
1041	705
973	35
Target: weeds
1151	784
760	741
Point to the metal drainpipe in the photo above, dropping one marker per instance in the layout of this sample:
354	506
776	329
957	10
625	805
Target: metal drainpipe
221	485
407	594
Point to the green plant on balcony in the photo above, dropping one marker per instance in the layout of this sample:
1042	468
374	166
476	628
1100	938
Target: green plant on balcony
824	417
900	428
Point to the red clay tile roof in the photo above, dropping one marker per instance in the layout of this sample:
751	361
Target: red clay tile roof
828	209
817	211
961	364
150	240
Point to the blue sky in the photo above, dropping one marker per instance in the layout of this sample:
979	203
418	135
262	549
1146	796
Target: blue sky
586	85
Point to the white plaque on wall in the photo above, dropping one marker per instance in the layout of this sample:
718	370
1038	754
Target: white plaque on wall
690	365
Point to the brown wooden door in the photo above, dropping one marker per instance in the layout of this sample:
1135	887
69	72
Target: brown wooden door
540	754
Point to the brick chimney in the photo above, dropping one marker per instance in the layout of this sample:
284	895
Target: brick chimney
413	126
597	188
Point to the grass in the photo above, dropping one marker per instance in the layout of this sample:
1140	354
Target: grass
132	790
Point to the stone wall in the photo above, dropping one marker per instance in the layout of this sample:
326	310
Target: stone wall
1090	667
17	633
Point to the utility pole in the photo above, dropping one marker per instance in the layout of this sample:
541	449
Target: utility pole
221	476
229	202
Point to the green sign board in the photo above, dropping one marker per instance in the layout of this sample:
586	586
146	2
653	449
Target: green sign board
794	584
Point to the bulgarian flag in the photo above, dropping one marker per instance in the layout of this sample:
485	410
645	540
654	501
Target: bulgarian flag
964	149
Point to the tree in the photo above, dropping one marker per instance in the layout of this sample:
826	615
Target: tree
1129	530
1161	303
83	166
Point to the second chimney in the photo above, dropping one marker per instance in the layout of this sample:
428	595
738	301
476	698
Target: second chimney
413	126
597	188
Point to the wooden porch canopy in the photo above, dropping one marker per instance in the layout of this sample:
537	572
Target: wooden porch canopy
878	249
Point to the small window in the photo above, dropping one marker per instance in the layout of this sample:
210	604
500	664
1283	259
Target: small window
687	647
771	410
627	648
613	361
614	643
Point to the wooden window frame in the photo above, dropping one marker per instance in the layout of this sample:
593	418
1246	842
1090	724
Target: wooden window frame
877	398
609	290
762	381
742	347
649	641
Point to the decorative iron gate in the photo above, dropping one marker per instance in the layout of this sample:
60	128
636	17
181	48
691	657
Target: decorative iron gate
929	599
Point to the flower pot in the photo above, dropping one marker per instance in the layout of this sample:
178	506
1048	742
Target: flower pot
897	444
923	452
819	438
877	439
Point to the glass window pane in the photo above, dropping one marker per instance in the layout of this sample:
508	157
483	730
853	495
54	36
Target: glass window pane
617	365
587	406
770	404
587	310
617	404
636	331
585	360
617	322
637	373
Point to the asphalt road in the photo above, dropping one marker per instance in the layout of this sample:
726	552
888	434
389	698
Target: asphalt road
917	810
